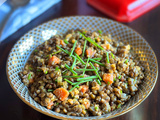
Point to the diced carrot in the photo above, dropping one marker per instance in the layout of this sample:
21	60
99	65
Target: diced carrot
31	81
90	53
78	50
62	42
106	46
108	78
84	88
61	93
54	60
50	105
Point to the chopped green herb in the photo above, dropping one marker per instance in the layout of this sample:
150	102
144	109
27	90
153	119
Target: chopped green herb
29	76
74	63
96	58
107	57
80	59
83	32
57	68
86	65
96	108
55	80
126	61
86	78
119	105
46	72
73	87
92	60
68	81
121	92
76	76
35	50
112	55
119	77
74	45
95	71
64	72
70	69
91	41
80	36
134	80
65	41
100	31
78	83
56	52
66	51
84	47
57	103
47	55
98	81
77	86
114	79
30	68
49	90
108	82
78	62
85	70
126	83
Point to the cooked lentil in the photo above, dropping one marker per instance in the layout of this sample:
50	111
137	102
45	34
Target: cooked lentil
98	77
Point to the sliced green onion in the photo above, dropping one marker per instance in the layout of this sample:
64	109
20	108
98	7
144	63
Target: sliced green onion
97	62
30	68
56	52
119	77
57	103
74	63
86	65
114	79
98	81
66	51
112	55
86	78
46	72
119	105
80	59
100	31
126	61
107	57
70	69
96	58
65	41
76	76
85	70
95	71
49	90
68	81
121	92
35	50
64	72
74	45
91	41
29	76
55	80
84	47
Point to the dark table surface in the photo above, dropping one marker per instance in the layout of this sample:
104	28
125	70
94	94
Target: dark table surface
148	25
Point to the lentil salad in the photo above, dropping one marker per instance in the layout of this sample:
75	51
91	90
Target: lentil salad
82	73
